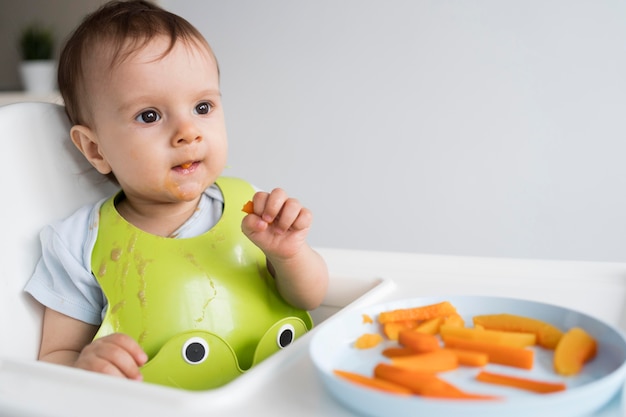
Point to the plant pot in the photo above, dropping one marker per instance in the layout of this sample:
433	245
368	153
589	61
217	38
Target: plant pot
38	76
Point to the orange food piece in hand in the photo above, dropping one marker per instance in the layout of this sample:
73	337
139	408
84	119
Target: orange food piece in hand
248	207
575	348
368	340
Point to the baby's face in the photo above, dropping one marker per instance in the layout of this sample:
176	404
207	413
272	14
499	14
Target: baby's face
158	122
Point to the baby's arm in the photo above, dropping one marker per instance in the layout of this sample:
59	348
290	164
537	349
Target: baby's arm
68	341
279	226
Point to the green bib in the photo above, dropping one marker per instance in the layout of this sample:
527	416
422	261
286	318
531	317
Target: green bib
204	309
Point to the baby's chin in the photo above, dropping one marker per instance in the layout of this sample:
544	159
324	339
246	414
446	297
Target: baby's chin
187	196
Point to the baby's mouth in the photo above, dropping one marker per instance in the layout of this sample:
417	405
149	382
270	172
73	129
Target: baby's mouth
187	166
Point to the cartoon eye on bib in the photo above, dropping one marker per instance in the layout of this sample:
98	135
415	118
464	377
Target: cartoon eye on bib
285	336
195	350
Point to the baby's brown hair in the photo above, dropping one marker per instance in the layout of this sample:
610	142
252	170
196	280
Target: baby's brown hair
125	26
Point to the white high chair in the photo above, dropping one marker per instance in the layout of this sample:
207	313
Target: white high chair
45	178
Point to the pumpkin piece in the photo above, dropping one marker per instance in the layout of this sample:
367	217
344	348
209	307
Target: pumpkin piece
575	348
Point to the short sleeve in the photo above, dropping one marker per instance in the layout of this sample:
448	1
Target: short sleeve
62	280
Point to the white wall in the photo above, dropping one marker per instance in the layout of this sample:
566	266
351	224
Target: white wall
467	127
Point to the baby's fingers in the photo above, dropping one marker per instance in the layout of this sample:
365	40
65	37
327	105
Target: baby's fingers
268	205
293	216
117	354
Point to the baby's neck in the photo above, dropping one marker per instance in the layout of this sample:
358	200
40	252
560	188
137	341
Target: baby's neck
161	219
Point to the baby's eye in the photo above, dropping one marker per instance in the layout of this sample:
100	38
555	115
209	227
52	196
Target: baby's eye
148	116
203	108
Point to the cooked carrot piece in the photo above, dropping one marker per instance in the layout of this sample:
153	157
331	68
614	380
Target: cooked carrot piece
392	329
367	319
499	337
419	342
373	382
368	340
392	352
436	361
423	383
547	335
414	380
430	326
470	357
542	387
575	348
248	207
503	355
454	320
426	312
450	391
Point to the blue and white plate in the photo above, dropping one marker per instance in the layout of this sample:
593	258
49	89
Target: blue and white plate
601	378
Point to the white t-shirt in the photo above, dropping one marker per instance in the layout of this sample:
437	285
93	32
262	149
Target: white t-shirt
63	281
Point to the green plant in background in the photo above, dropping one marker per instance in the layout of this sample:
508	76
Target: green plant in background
36	43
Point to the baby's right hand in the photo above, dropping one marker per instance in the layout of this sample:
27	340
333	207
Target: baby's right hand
116	354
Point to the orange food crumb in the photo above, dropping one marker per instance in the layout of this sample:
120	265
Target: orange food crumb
248	207
368	340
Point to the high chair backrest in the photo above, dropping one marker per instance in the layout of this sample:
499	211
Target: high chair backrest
45	178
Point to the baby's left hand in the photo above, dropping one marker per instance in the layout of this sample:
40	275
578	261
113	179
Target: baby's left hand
278	225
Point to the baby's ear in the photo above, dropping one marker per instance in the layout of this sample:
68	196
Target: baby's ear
86	141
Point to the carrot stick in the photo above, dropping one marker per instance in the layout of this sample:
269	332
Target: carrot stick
368	340
499	337
575	348
423	383
542	387
392	352
436	361
547	335
372	382
503	355
470	357
419	342
426	312
414	380
248	207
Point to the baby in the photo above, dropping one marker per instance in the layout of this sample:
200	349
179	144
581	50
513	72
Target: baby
141	88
